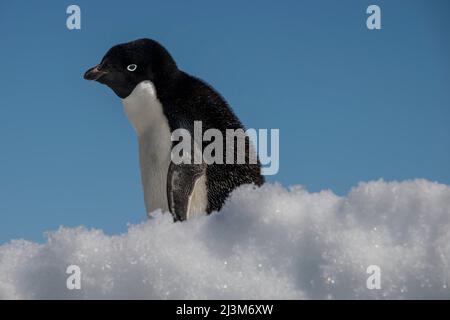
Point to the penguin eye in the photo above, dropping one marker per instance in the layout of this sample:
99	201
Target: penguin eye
131	67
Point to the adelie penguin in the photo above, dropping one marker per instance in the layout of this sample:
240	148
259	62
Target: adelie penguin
159	98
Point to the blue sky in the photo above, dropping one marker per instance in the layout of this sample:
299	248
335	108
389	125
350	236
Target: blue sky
351	104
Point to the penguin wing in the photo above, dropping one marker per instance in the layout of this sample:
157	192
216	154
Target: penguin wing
182	177
181	180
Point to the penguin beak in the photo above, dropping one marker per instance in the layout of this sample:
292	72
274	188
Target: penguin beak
94	73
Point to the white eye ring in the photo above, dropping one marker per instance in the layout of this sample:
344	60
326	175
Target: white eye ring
131	67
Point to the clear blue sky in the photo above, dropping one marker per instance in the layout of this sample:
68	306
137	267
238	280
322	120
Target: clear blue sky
351	104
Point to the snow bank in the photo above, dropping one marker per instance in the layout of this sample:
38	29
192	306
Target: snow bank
266	243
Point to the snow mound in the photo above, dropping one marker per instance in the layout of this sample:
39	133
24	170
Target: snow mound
268	243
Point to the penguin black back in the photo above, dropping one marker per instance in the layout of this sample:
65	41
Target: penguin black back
202	103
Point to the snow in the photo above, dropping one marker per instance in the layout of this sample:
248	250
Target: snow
268	243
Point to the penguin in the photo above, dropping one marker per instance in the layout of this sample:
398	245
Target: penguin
159	98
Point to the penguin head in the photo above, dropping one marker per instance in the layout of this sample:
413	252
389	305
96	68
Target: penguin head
125	65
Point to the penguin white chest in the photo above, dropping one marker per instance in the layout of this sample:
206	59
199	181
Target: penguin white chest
145	113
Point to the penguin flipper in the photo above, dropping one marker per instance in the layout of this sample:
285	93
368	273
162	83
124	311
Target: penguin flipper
181	180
